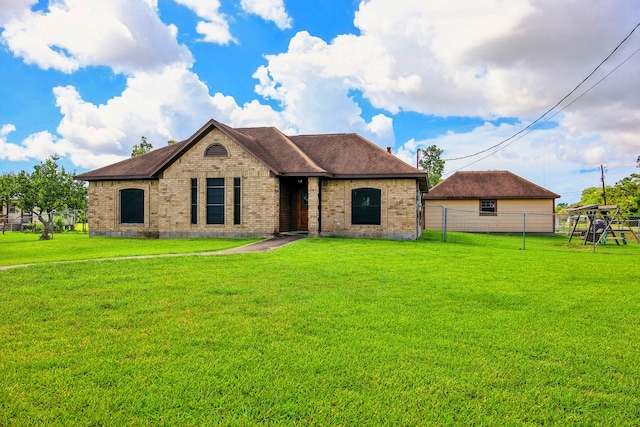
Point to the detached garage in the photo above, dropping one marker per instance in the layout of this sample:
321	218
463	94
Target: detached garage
483	202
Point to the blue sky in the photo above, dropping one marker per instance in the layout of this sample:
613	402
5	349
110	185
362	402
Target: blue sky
85	79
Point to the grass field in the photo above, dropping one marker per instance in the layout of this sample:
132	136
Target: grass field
26	248
322	332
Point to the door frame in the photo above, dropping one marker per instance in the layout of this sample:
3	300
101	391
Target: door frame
292	190
300	220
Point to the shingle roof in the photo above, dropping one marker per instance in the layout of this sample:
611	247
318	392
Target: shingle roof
350	155
144	166
286	156
335	155
488	185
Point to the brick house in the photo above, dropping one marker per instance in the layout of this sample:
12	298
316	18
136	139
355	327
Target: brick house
491	201
226	182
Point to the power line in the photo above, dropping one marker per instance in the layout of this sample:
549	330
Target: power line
531	128
530	125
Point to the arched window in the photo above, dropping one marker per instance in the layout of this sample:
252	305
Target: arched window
365	206
216	150
132	206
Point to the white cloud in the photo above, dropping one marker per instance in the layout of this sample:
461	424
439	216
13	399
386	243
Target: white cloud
269	10
315	97
250	114
127	36
168	104
487	58
38	146
399	62
42	145
9	151
10	9
482	58
214	26
6	129
382	127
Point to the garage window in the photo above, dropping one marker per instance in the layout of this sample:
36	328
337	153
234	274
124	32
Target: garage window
488	207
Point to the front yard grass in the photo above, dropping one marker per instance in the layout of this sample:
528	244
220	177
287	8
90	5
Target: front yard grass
327	332
26	248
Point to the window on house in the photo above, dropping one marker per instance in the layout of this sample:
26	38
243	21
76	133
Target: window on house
365	206
194	200
236	200
132	206
488	207
216	150
215	200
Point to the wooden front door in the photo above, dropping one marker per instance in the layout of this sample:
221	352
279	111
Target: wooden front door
302	220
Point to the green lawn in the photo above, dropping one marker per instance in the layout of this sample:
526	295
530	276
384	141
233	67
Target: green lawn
325	332
27	248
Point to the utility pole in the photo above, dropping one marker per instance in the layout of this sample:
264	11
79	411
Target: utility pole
604	193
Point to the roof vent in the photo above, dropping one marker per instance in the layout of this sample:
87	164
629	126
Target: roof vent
216	150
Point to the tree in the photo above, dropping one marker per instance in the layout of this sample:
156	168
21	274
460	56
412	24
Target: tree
561	207
48	189
78	199
8	191
143	148
593	196
625	193
430	162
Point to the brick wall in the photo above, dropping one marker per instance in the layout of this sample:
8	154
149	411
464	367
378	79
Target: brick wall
398	209
104	209
313	187
259	191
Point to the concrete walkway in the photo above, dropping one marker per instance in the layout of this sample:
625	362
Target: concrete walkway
261	246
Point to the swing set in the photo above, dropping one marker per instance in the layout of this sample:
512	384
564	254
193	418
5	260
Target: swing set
600	220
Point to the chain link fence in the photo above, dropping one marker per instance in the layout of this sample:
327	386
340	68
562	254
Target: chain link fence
66	220
451	225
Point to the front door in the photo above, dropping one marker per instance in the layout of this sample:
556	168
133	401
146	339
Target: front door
302	222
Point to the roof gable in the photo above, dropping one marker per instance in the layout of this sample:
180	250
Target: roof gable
488	185
150	165
336	155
